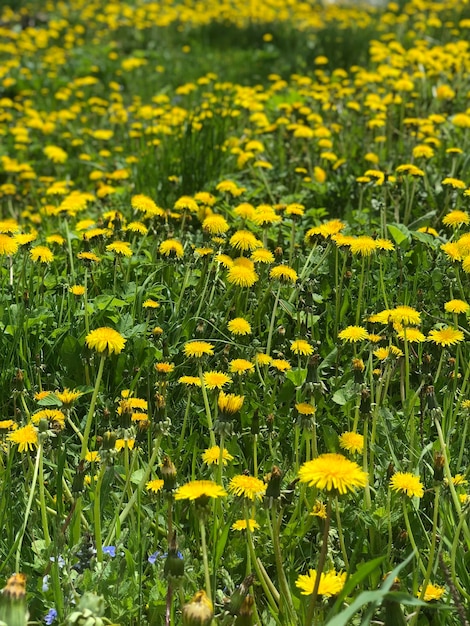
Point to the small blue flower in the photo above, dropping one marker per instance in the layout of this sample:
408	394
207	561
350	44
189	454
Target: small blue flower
153	557
60	561
110	551
50	617
45	583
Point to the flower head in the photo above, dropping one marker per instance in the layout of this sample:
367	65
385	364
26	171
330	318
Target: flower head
407	483
456	306
42	254
211	456
241	524
333	472
171	248
446	336
432	592
105	341
198	349
26	437
8	245
230	403
352	442
155	485
331	583
247	486
283	273
215	380
353	334
196	489
300	346
239	326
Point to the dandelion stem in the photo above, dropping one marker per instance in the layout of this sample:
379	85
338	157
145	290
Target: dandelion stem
97	515
205	561
341	534
42	499
286	597
273	319
207	407
320	566
29	505
411	537
89	419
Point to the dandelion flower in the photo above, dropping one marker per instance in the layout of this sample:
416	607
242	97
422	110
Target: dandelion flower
8	245
300	346
413	335
352	442
215	225
331	583
199	611
283	273
407	483
456	306
42	254
26	438
305	408
319	510
198	349
215	380
241	276
88	257
247	486
199	489
121	248
241	366
239	326
364	246
230	403
211	456
155	485
77	290
432	592
194	381
262	255
281	365
241	524
171	248
105	340
456	219
405	314
244	240
332	471
353	334
446	336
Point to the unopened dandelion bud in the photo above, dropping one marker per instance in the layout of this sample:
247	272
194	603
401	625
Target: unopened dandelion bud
13	607
108	441
245	617
439	462
234	604
278	251
255	423
18	381
270	422
168	472
390	471
273	489
364	408
79	478
198	612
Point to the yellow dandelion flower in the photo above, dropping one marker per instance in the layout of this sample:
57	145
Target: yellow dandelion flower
88	257
241	366
407	483
333	472
239	326
319	509
171	248
352	442
230	403
191	381
77	290
155	485
247	487
41	254
121	248
432	592
300	346
405	314
151	304
455	183
456	219
262	255
305	408
211	456
364	246
164	367
198	349
215	380
200	489
281	365
413	335
241	524
331	583
263	359
105	341
446	336
26	438
245	240
353	334
215	225
283	273
93	456
241	276
456	306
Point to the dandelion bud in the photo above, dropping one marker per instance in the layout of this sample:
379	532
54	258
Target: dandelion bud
108	441
278	251
273	489
245	617
439	461
390	471
255	423
270	422
234	605
13	607
174	564
79	478
199	612
168	473
364	408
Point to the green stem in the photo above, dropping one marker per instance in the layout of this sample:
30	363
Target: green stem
341	534
89	419
320	566
273	319
207	407
42	499
28	506
283	584
205	560
411	537
97	515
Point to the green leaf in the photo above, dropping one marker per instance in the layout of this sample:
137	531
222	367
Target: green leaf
399	233
50	400
297	376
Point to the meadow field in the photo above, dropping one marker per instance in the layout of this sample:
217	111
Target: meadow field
234	313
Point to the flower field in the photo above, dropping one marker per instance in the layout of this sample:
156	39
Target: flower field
234	313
